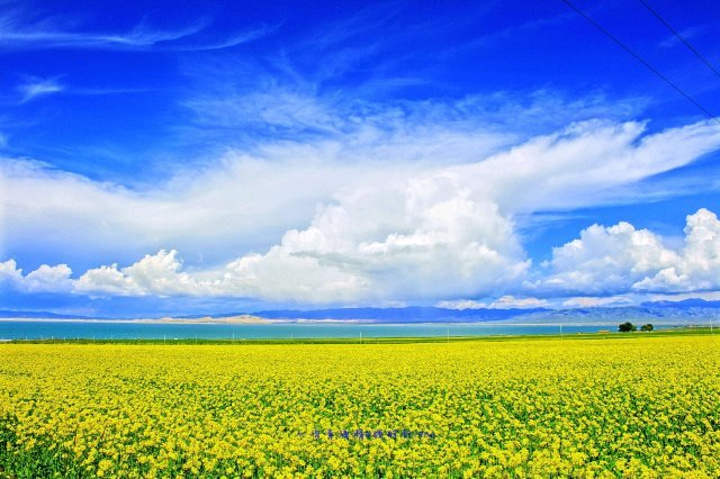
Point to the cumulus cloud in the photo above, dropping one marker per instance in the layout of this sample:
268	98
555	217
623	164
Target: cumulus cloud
607	260
328	263
621	258
698	266
244	203
49	279
108	280
409	240
157	274
324	221
9	272
55	279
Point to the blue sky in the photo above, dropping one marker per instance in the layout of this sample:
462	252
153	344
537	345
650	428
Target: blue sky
165	158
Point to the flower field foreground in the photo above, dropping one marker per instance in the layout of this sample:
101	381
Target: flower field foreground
636	407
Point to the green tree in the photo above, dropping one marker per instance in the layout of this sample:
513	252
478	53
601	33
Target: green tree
627	327
647	327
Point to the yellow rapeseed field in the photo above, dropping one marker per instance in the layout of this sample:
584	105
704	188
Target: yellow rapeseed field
636	407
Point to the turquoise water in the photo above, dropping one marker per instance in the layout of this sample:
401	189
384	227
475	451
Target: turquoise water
117	330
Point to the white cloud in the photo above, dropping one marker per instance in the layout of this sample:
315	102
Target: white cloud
608	260
39	87
385	205
159	274
408	240
329	263
244	203
49	279
9	272
55	279
108	280
240	202
585	164
18	31
698	266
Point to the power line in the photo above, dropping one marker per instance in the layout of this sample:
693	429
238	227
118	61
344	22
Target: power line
681	38
641	60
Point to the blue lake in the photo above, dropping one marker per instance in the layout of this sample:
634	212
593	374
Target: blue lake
123	330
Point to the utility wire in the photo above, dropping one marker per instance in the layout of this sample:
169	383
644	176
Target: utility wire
681	38
641	60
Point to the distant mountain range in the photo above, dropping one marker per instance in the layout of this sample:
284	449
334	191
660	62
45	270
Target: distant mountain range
411	314
644	313
690	310
682	311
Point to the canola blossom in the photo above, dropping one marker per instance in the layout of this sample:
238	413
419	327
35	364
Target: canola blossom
637	407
